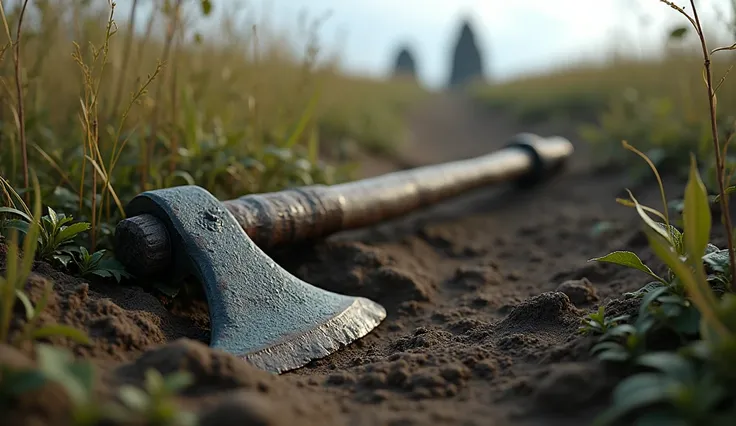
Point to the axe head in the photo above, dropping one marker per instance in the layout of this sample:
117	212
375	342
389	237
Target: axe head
258	310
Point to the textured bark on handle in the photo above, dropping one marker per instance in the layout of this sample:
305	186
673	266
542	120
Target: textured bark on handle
310	212
316	211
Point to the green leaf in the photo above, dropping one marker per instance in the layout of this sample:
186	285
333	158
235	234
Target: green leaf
206	7
635	392
718	261
53	216
649	287
62	259
110	268
678	32
696	215
670	363
178	381
71	231
14	211
628	259
96	257
688	322
655	226
58	365
134	398
26	302
18	382
727	191
84	372
676	237
16	224
705	301
61	331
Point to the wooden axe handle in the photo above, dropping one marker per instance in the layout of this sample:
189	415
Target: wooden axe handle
309	212
304	213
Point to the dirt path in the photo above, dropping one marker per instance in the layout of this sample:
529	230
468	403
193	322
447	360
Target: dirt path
476	333
484	295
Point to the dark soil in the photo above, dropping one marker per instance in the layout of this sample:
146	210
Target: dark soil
484	296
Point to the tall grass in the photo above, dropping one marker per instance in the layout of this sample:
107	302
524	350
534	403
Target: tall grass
102	112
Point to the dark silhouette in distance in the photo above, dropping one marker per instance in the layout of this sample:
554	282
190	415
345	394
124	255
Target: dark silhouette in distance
467	61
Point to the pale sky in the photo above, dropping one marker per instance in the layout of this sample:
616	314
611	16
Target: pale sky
516	36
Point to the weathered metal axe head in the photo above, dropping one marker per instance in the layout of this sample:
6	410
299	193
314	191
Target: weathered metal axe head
258	311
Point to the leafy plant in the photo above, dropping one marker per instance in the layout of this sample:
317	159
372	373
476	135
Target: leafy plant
154	404
17	271
95	264
598	323
78	380
56	232
680	389
683	393
621	343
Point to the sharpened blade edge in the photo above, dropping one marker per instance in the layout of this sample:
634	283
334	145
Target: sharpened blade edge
295	351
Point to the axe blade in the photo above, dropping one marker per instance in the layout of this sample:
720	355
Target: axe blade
258	310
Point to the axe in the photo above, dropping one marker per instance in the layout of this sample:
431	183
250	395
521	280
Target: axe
259	311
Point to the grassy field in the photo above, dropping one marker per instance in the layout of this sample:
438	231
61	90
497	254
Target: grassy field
658	105
108	112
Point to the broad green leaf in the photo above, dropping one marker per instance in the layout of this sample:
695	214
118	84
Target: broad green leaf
605	346
628	259
711	248
63	220
614	355
696	215
650	297
705	301
84	372
678	32
62	259
19	225
11	210
61	331
718	261
53	216
71	231
688	322
18	382
96	257
670	363
620	331
633	393
676	237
